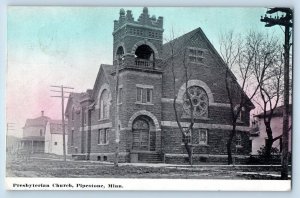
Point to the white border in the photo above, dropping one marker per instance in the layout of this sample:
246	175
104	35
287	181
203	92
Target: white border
296	147
139	184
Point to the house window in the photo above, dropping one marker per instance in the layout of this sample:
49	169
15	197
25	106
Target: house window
238	139
55	143
72	137
103	136
196	55
144	94
195	100
104	105
41	132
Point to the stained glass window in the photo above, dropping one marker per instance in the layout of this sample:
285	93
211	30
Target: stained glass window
195	100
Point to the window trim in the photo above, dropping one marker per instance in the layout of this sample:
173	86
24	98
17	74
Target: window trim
206	136
106	134
72	137
198	130
144	89
101	113
238	140
196	56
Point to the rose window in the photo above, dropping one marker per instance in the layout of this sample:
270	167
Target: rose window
197	102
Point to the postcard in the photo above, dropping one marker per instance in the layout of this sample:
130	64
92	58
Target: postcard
149	98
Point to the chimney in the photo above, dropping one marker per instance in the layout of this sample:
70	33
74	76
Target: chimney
42	113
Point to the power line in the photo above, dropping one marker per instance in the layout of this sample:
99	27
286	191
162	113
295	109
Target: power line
286	21
62	96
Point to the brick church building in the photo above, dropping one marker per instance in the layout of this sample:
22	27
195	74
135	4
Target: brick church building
147	124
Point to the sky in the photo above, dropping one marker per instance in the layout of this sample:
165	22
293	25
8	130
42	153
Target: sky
66	45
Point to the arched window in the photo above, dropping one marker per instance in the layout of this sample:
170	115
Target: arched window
144	52
120	52
195	100
104	105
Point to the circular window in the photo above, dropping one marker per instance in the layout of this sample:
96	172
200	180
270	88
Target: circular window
195	100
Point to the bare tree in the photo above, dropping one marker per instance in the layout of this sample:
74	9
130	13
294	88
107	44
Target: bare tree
185	131
239	57
268	71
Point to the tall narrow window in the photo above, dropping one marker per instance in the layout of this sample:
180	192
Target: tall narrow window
202	136
104	105
187	137
103	136
72	137
240	113
139	93
238	139
41	132
149	96
84	116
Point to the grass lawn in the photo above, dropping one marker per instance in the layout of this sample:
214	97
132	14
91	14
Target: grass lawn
50	166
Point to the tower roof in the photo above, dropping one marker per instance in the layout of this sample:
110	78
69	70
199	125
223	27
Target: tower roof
143	20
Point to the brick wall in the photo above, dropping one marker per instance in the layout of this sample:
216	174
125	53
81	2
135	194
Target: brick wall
216	145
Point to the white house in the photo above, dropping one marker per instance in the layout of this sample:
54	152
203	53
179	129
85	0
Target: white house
258	132
54	137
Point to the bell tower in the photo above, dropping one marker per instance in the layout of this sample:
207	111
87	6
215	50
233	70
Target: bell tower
139	42
137	49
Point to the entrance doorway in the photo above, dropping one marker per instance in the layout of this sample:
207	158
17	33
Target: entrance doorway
141	135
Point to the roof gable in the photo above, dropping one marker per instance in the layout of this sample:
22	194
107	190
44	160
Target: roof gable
39	121
104	75
178	45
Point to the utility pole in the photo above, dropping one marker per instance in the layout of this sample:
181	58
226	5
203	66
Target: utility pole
117	113
286	21
10	127
62	96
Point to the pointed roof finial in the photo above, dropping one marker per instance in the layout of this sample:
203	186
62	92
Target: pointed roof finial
145	10
122	11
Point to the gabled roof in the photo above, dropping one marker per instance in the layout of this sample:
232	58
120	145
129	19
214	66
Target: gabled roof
39	121
177	43
56	126
278	111
107	70
76	98
184	40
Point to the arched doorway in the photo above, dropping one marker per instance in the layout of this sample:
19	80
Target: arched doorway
144	134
